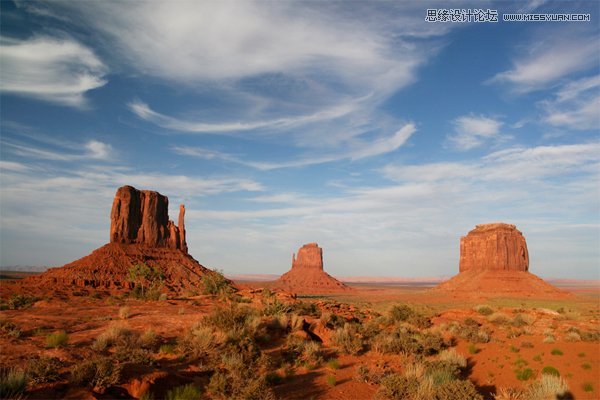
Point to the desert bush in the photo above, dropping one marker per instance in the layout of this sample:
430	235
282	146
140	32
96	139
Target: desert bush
9	329
484	309
524	374
147	281
452	357
110	336
57	339
472	349
509	394
587	387
149	340
498	318
549	339
398	387
312	352
185	392
550	370
273	378
556	352
347	339
306	308
514	349
275	307
19	301
456	390
572	337
100	373
199	342
215	283
363	374
404	313
43	369
547	387
590	336
12	383
472	333
586	366
296	322
332	321
522	320
527	345
232	320
331	381
124	312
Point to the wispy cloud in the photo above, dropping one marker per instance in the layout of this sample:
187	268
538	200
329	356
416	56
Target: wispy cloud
357	150
548	58
92	149
51	69
576	105
144	111
472	131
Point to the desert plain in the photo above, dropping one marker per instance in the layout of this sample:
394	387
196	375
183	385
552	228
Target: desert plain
141	318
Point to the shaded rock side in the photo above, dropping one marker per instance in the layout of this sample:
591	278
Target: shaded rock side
307	275
497	246
142	217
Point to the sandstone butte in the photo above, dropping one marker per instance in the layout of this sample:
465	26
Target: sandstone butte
494	261
307	275
140	232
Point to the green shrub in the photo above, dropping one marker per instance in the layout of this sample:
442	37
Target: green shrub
57	339
113	334
100	373
550	370
404	313
275	307
527	345
147	281
347	339
9	329
19	301
484	310
556	352
456	390
452	357
333	364
586	366
547	387
398	387
306	308
331	381
514	349
524	374
588	387
197	343
472	349
522	320
43	369
215	283
12	382
499	319
167	348
185	392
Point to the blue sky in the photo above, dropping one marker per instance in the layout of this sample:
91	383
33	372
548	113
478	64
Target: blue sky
357	125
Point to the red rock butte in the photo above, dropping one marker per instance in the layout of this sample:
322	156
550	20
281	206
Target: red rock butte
307	275
494	261
140	232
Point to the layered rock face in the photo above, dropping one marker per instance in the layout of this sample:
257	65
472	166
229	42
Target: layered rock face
309	256
307	274
498	246
142	217
494	261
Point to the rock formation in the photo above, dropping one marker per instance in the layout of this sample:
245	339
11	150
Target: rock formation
307	274
140	233
495	247
494	261
142	217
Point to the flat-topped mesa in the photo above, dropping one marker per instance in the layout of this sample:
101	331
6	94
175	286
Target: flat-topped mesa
496	246
142	217
309	256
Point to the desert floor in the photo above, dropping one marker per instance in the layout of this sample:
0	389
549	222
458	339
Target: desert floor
507	342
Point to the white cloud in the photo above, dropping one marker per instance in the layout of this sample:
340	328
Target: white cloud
358	149
471	131
548	58
576	105
92	149
55	70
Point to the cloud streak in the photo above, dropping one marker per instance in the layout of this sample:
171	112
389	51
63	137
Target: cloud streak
472	131
55	70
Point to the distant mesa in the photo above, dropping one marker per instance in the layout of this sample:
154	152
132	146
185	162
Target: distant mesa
140	233
494	261
307	275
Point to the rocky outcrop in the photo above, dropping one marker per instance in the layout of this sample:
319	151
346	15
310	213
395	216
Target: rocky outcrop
496	246
140	234
494	262
142	217
309	256
307	275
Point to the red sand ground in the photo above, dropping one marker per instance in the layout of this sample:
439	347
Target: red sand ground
492	366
